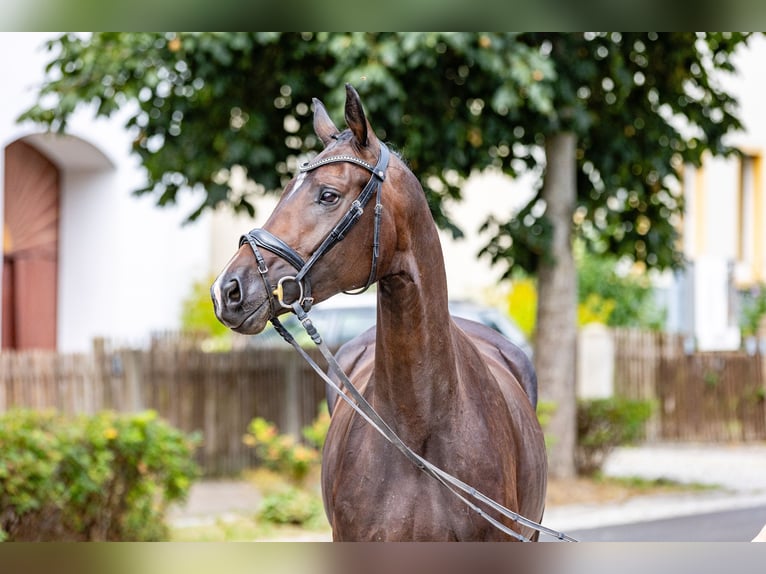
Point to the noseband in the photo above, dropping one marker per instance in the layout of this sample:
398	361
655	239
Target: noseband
260	238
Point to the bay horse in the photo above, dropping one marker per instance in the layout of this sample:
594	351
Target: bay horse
456	392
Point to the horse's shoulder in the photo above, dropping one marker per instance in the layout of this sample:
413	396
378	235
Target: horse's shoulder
500	350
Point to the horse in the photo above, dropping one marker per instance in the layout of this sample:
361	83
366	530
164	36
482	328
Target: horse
456	392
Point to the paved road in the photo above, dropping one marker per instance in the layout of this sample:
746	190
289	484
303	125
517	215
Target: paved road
736	511
724	526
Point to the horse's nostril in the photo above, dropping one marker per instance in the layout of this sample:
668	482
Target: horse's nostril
232	292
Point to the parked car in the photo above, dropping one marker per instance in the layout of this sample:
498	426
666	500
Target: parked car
343	317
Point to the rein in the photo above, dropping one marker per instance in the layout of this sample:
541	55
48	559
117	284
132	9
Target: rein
260	238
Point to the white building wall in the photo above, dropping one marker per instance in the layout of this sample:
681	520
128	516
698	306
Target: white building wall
713	254
125	265
489	193
749	84
720	217
712	225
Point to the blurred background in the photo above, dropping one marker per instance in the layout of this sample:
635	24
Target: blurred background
133	162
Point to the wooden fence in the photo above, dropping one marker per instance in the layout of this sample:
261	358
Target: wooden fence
216	394
701	396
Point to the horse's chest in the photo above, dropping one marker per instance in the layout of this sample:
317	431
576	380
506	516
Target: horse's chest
378	494
407	509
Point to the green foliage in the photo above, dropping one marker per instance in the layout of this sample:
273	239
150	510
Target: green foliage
291	506
545	410
605	295
207	103
102	477
595	309
629	98
603	424
294	461
198	317
753	310
316	432
282	453
613	298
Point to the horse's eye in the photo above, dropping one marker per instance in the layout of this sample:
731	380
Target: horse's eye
328	197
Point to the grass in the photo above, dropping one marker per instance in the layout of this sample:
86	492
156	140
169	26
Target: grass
653	485
244	528
234	529
600	489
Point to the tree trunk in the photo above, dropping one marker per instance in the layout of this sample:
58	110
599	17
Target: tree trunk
556	334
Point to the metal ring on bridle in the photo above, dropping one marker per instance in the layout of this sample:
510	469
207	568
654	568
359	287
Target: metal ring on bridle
279	292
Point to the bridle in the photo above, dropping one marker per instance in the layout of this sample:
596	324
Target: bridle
260	238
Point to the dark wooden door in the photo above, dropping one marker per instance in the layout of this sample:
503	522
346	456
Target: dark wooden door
30	249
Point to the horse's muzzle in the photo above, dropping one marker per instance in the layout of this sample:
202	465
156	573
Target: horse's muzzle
238	304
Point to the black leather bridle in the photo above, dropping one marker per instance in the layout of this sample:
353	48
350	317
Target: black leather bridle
260	238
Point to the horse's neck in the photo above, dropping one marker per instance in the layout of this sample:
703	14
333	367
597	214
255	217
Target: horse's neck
415	376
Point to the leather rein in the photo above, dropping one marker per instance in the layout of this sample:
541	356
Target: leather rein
301	305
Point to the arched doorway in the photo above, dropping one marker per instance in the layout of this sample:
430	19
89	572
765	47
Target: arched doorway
30	249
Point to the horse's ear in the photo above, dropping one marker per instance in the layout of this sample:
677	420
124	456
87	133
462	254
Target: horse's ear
355	118
323	126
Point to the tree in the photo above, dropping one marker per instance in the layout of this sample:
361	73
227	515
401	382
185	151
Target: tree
607	120
630	111
208	103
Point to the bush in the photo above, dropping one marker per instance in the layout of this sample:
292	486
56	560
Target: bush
296	503
316	432
103	477
282	453
603	424
291	506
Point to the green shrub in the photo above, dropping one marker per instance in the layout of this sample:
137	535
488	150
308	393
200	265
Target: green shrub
603	424
291	506
282	453
316	432
545	410
753	309
296	503
103	477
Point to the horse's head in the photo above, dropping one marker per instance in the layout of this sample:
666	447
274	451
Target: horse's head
319	239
